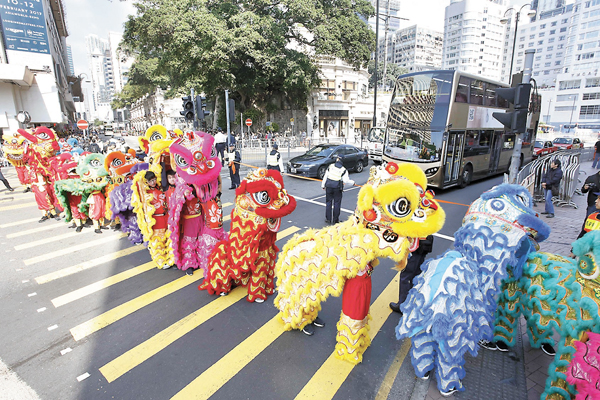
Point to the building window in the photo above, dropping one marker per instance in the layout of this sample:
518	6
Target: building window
591	96
540	42
547	64
573	84
556	63
589	112
592	82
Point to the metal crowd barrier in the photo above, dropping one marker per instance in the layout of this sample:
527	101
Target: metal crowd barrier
531	176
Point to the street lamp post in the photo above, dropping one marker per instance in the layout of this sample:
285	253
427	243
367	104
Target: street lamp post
504	20
572	109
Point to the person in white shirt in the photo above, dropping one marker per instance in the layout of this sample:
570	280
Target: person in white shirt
220	145
274	159
333	183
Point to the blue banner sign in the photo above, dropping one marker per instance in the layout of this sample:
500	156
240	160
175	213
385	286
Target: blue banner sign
24	26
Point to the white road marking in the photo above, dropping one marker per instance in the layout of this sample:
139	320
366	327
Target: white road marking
65	351
19	269
25	281
41	309
82	377
32	294
53	327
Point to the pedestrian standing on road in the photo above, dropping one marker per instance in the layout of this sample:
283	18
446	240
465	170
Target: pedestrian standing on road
220	145
413	268
596	162
5	181
591	185
333	183
274	159
234	158
551	183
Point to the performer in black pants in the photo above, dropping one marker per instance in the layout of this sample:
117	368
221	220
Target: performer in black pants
5	181
413	268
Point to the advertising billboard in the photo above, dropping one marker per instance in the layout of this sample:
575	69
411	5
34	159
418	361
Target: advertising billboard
24	26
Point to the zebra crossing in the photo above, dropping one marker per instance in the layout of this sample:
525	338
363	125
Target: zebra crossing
101	255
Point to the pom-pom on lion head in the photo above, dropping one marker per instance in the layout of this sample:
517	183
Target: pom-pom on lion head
263	194
395	201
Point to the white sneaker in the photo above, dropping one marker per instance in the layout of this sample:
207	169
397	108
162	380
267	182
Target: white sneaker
223	293
259	301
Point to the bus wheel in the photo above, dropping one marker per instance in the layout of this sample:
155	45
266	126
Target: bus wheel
466	176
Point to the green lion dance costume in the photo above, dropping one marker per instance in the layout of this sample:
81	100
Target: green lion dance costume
393	211
554	294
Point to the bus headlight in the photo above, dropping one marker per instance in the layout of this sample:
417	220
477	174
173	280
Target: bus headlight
431	171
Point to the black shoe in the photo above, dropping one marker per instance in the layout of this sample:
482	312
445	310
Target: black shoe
44	218
117	227
309	329
27	190
318	322
72	226
426	376
327	221
11	189
231	188
189	271
550	216
543	213
486	344
79	229
57	217
548	349
395	308
98	230
501	345
104	227
449	392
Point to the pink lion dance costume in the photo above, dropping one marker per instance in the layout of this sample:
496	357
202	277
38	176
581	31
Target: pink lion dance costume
195	214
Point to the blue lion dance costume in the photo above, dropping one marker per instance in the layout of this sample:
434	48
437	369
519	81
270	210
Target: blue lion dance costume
453	302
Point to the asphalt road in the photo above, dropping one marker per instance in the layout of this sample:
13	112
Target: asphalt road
84	316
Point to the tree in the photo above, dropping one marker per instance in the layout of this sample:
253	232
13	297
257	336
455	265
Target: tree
392	72
257	48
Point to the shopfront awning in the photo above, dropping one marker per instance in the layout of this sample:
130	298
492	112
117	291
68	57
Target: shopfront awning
17	74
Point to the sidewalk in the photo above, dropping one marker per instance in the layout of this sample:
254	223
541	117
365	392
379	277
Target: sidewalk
522	372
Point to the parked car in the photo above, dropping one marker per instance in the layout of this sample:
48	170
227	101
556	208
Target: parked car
315	161
543	148
567	143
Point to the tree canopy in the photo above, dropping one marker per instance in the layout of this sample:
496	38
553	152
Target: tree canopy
392	72
256	48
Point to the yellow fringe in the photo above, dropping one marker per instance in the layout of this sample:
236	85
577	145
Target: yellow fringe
352	338
160	248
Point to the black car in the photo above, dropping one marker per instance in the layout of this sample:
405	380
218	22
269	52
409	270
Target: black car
314	162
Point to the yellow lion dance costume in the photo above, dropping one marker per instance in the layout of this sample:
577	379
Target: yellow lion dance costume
393	211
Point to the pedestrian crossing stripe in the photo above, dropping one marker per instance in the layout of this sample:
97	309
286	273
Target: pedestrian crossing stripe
22	222
35	230
333	372
17	206
55	238
102	284
134	357
73	249
111	316
155	344
323	385
87	264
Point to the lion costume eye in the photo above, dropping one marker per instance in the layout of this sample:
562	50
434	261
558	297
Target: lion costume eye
523	200
155	136
399	208
261	198
180	161
116	162
43	136
95	163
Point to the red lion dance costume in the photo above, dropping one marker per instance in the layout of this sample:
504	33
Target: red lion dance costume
195	214
43	147
248	257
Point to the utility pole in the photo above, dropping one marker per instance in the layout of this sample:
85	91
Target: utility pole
195	116
376	64
227	116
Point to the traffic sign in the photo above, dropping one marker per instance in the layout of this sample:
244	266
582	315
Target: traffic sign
82	124
291	119
268	123
248	122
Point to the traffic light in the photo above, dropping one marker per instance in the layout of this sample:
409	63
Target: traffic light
201	107
188	108
516	120
231	110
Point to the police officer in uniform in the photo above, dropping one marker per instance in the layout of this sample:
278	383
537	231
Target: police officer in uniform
274	160
333	184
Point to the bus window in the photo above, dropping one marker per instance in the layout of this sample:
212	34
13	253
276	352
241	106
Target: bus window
471	145
509	142
476	92
484	138
490	94
462	91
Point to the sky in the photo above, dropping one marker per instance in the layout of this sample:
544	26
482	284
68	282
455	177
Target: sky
85	17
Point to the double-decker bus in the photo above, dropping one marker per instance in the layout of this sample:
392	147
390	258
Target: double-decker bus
442	121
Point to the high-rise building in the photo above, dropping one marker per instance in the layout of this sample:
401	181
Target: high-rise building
70	61
100	64
414	48
541	6
33	66
120	63
474	37
547	34
389	10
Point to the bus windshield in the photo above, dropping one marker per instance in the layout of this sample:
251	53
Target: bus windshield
376	135
418	116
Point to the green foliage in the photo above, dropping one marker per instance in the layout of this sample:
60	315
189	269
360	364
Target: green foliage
274	127
392	72
257	48
97	122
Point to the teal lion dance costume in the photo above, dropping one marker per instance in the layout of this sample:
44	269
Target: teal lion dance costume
554	294
453	302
